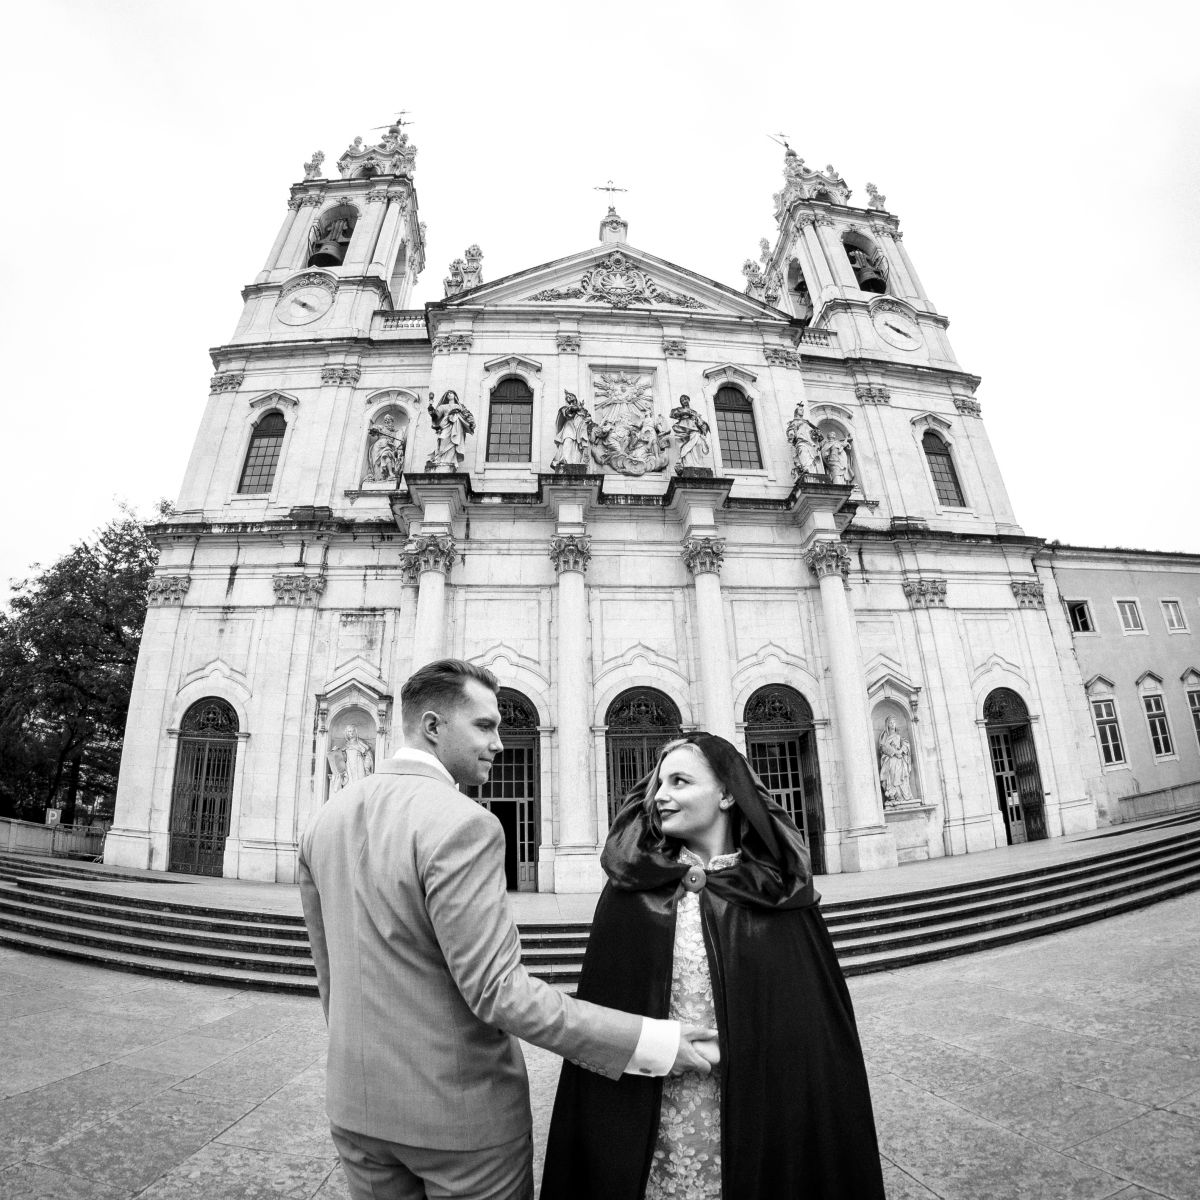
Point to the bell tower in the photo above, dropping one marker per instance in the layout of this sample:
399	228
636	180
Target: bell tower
348	247
842	267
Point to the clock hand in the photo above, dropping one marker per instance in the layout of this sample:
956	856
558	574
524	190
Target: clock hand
898	329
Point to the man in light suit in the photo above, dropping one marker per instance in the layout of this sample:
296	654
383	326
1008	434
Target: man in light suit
419	968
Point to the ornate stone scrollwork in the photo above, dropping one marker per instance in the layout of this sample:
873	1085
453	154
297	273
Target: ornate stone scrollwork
780	356
226	381
168	589
452	343
828	557
340	375
968	407
428	552
704	555
626	435
312	169
1029	593
872	393
674	348
378	196
570	552
313	200
877	200
298	589
295	202
925	592
567	343
617	282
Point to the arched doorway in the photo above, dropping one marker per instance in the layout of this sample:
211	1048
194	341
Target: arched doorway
1014	766
512	791
640	723
203	789
781	745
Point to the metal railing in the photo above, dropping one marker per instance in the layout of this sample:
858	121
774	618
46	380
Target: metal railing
61	841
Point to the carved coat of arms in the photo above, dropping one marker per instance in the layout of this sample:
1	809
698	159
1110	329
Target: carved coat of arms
625	434
618	282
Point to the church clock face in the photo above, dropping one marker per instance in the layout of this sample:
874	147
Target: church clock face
303	305
897	328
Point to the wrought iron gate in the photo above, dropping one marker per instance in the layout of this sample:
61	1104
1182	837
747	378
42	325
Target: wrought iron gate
640	723
203	789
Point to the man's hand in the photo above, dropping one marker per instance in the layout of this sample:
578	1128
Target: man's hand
697	1050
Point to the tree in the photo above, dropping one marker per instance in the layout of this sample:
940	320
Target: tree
68	648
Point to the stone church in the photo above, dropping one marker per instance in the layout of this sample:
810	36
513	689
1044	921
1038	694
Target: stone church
648	502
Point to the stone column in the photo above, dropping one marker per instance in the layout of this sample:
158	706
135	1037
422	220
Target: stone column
366	231
290	257
867	845
704	556
428	559
806	224
381	251
576	816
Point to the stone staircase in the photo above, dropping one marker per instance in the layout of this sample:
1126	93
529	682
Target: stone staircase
49	908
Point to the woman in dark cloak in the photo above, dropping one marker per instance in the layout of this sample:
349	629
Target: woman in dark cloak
709	916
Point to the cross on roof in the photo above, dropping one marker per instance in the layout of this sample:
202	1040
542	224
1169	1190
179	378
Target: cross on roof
609	188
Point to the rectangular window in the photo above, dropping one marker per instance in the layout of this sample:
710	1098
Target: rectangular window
1173	615
1194	705
1131	617
1108	731
1160	731
510	431
1081	617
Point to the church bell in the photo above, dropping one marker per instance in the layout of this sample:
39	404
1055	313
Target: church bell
327	253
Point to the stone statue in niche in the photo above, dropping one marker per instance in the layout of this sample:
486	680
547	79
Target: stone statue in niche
626	435
452	423
805	440
386	450
692	431
572	436
895	765
835	450
353	760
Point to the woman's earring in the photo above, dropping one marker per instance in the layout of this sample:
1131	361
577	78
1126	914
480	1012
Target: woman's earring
725	804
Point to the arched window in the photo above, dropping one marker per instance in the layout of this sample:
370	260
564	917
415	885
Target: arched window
640	723
941	468
735	428
258	472
331	235
510	422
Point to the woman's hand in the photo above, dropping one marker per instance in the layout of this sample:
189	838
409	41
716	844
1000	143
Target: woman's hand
697	1050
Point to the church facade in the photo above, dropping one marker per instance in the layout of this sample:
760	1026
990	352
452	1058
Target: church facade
646	501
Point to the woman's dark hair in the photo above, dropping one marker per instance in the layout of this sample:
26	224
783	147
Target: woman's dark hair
441	686
644	791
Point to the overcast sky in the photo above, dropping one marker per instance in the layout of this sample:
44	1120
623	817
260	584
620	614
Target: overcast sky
1043	158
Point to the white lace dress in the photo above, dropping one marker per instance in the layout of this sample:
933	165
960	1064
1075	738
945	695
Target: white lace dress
687	1154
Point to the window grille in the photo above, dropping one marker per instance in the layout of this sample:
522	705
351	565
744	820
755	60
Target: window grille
736	431
1160	731
1194	706
640	723
1081	617
941	468
510	422
258	473
1131	617
1108	731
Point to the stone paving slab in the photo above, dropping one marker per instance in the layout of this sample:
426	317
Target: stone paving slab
1064	1068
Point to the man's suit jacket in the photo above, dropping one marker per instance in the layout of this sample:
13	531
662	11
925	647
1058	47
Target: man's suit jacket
419	967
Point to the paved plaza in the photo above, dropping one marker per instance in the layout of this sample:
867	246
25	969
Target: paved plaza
1065	1067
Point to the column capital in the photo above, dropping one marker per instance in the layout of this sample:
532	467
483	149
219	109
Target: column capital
704	555
925	592
428	552
341	374
298	589
570	552
1029	593
827	557
168	589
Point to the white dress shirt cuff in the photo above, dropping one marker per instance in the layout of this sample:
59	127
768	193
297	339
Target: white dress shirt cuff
656	1048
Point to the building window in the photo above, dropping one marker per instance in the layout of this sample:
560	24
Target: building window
1160	731
941	468
1173	615
735	428
1194	706
1131	616
1081	616
258	472
1109	732
510	422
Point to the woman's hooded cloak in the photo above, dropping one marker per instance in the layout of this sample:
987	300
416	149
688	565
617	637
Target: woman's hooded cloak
796	1110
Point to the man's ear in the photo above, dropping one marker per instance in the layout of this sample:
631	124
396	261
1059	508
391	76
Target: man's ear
429	724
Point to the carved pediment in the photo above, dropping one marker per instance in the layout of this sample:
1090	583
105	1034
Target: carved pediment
620	283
